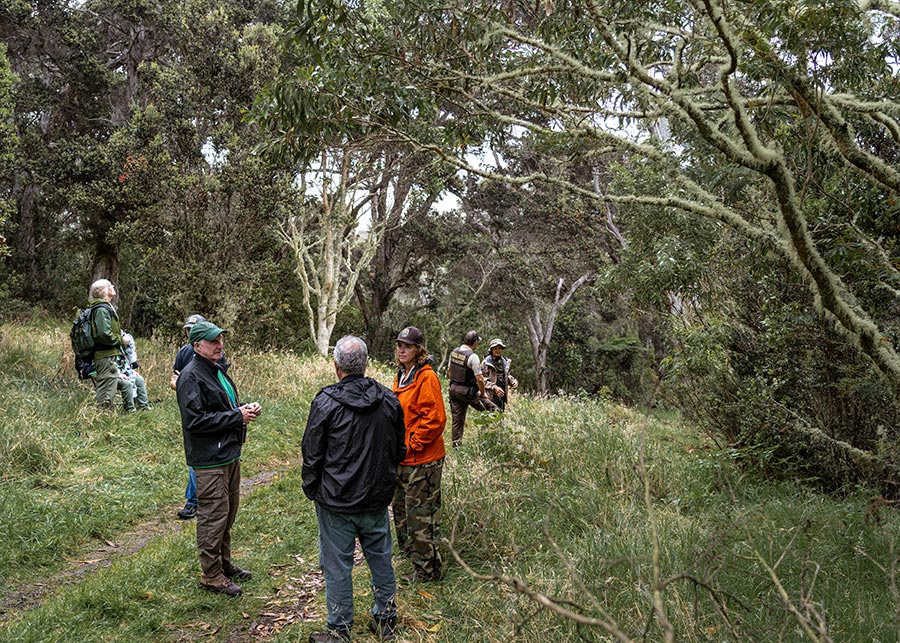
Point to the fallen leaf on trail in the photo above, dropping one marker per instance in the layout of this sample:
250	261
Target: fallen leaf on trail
110	543
201	624
425	594
245	615
435	628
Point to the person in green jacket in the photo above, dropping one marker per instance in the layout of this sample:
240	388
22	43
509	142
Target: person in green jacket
107	335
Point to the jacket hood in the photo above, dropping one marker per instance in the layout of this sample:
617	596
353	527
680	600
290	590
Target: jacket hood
356	392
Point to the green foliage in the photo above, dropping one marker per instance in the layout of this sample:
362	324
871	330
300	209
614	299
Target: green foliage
552	493
598	349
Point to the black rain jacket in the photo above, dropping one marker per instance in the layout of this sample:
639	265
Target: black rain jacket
353	442
213	430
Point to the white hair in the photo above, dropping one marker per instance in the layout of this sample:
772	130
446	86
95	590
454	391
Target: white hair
99	288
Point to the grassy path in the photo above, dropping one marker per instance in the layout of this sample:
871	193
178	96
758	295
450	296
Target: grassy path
24	598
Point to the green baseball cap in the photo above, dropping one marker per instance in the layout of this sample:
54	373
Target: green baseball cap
205	330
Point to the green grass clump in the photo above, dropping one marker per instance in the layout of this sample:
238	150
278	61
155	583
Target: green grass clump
627	522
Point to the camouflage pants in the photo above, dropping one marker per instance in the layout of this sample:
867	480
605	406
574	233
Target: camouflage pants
417	511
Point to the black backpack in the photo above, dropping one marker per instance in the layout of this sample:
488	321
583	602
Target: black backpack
82	337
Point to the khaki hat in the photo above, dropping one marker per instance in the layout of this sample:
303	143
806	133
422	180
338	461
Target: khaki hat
497	342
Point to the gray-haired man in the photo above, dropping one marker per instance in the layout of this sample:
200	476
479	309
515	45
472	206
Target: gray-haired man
353	442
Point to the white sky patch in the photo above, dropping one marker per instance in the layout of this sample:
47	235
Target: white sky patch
213	156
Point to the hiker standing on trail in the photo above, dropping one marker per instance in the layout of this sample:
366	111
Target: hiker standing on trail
182	358
417	500
498	381
351	448
466	385
214	427
107	335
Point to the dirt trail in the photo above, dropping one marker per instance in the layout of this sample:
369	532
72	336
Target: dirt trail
27	597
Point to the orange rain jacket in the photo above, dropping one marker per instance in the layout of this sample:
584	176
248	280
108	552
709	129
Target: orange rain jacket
424	415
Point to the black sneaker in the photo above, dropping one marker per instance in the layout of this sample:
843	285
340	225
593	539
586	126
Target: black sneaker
384	628
188	512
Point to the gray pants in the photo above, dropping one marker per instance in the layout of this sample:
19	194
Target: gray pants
218	493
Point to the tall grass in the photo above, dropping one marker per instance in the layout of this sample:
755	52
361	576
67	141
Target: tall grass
631	524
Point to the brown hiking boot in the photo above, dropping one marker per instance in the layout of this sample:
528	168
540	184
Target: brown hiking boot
236	573
221	585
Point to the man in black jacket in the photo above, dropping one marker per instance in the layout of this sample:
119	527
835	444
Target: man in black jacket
214	426
353	442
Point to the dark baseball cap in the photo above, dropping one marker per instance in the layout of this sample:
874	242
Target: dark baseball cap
205	330
411	335
193	319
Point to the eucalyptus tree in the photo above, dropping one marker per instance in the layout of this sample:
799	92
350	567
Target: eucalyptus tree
776	121
368	228
546	243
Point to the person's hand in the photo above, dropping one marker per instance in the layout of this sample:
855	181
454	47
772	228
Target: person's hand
122	376
250	411
499	392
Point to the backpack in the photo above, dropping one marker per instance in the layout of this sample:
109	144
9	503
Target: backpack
82	337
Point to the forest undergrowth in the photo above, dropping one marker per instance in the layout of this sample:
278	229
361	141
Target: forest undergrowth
571	519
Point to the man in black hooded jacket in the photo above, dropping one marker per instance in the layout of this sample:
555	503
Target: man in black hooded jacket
353	442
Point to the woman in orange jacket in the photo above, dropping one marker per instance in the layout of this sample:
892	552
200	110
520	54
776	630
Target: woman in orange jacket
417	500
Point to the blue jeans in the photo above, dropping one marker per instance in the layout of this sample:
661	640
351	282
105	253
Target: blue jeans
190	494
337	540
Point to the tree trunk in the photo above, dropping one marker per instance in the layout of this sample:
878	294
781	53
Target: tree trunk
540	330
25	192
106	261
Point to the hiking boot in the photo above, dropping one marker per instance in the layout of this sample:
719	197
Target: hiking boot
331	636
384	628
236	573
188	512
224	586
